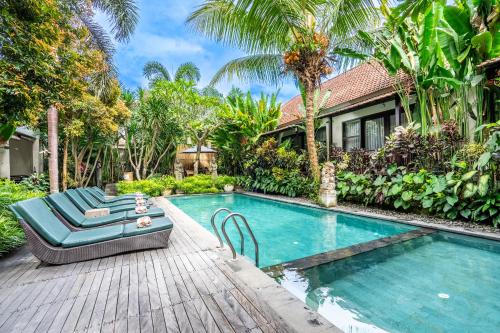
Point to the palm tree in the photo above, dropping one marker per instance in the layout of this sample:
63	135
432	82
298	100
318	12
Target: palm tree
286	38
154	71
123	17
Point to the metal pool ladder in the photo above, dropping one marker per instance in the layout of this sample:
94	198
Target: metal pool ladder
235	217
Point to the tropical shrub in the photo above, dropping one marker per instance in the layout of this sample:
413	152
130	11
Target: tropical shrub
153	186
36	182
197	184
468	195
222	181
240	126
277	169
469	188
11	233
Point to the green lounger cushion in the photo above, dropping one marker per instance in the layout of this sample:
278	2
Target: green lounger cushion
39	216
119	209
103	220
162	223
152	212
128	195
74	216
78	201
66	208
115	207
101	199
91	236
13	209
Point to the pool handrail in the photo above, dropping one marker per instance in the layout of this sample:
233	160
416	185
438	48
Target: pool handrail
256	245
212	221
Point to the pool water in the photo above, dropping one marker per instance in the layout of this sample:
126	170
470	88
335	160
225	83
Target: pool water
437	283
285	231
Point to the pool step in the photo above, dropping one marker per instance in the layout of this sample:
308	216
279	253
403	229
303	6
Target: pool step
326	257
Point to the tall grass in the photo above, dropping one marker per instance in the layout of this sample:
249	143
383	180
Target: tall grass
11	233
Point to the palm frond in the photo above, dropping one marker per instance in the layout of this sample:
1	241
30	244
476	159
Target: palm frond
264	68
188	72
342	19
154	70
99	37
256	26
123	15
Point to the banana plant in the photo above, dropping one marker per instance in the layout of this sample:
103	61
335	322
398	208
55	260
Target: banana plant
438	47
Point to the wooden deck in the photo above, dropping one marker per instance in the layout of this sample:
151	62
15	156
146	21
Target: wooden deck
177	289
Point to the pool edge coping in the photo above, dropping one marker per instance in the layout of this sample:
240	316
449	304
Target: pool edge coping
293	313
439	227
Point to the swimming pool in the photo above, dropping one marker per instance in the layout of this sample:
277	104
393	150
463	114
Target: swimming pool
441	282
285	231
437	283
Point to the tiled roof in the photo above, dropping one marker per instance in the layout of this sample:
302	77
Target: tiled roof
360	85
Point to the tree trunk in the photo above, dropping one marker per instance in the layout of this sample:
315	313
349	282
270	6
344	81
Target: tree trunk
311	142
197	159
52	138
65	165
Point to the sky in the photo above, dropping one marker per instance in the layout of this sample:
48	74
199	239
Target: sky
162	35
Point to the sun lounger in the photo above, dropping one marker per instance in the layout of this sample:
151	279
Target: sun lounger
93	203
104	200
52	242
103	195
75	219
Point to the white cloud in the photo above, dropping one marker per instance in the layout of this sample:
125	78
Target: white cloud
154	46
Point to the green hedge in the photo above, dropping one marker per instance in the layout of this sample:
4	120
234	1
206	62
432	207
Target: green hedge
151	186
204	184
189	185
11	233
469	195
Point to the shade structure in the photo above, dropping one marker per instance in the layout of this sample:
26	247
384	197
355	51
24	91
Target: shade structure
204	150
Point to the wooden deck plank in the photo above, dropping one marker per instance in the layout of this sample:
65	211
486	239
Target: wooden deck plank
205	316
86	312
219	317
170	320
182	319
122	306
169	290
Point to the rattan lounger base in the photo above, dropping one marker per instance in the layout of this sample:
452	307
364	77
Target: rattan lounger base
58	255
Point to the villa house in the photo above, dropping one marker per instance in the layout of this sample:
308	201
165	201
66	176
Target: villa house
362	110
20	156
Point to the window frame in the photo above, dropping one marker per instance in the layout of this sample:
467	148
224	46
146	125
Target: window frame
345	138
386	115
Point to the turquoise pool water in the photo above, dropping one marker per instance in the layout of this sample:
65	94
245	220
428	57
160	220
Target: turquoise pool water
286	231
438	283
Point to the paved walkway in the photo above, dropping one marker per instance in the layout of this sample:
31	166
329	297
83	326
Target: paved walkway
178	289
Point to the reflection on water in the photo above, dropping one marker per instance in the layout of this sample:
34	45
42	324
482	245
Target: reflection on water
437	283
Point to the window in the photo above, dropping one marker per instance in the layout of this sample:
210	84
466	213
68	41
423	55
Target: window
321	134
374	133
369	132
352	134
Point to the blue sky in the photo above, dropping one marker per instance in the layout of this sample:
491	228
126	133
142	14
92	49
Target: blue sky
162	35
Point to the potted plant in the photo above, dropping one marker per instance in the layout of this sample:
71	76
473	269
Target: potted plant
228	188
225	183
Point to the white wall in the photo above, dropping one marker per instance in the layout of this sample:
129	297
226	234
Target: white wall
338	120
4	162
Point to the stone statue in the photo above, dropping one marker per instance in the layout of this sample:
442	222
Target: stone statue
178	170
213	169
327	192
